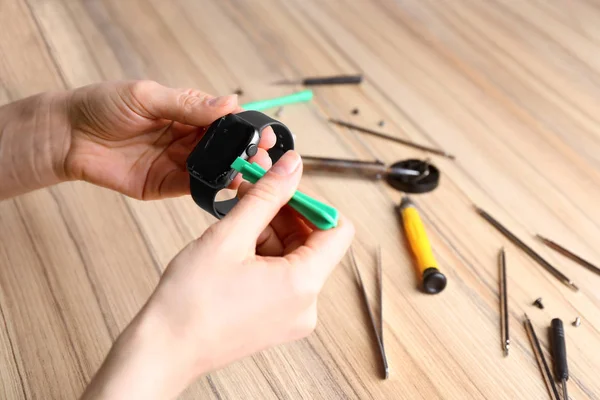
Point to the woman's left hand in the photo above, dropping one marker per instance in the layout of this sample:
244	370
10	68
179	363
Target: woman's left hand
134	137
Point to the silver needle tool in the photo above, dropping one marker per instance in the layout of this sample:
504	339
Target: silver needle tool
528	250
503	302
378	332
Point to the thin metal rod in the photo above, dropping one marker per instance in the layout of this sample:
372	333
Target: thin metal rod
564	388
380	286
503	302
370	312
541	359
530	252
392	138
567	253
368	169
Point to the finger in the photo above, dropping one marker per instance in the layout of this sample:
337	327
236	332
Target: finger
261	158
287	227
267	138
189	107
322	252
263	201
290	229
268	244
176	183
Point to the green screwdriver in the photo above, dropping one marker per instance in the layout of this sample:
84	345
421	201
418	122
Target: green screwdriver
320	215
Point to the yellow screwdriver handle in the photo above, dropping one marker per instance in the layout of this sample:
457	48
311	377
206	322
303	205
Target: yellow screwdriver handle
433	280
418	240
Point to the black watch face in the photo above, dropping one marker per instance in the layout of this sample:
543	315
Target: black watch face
225	140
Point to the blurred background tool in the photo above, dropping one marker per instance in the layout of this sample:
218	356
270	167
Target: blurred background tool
541	359
409	176
367	169
530	252
294	98
392	138
324	80
503	302
378	332
557	247
559	354
433	281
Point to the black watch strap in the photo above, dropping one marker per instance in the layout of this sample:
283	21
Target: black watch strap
205	196
285	140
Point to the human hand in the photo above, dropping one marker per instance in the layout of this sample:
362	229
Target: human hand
251	281
134	137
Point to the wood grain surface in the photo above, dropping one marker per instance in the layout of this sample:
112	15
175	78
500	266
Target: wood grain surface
511	87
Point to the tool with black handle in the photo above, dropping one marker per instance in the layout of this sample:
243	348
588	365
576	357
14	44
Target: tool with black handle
559	353
324	80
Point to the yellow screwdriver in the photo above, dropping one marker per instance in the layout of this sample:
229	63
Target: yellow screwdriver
433	281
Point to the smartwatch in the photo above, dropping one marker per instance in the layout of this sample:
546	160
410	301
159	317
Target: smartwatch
226	139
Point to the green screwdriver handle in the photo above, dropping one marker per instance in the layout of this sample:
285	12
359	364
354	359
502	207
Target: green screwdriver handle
298	97
320	215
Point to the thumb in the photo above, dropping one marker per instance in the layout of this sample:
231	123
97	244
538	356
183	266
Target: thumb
260	205
188	106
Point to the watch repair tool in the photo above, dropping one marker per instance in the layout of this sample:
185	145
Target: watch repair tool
324	80
378	332
261	105
541	359
559	354
528	250
226	139
409	176
557	247
319	214
433	281
503	302
392	138
380	293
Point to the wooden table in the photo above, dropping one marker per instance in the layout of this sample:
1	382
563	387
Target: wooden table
512	88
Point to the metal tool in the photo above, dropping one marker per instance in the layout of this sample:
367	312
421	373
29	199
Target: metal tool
378	332
541	359
577	322
530	252
503	303
392	138
433	280
380	293
559	353
557	247
368	169
410	176
324	80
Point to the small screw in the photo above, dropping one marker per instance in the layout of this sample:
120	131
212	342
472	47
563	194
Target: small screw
278	112
381	123
239	91
538	303
355	111
577	322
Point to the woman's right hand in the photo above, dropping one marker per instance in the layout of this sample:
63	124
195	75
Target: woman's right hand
251	281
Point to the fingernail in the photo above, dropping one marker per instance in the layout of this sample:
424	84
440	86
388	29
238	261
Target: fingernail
287	164
220	101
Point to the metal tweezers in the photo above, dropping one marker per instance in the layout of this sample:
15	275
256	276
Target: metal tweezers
377	329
